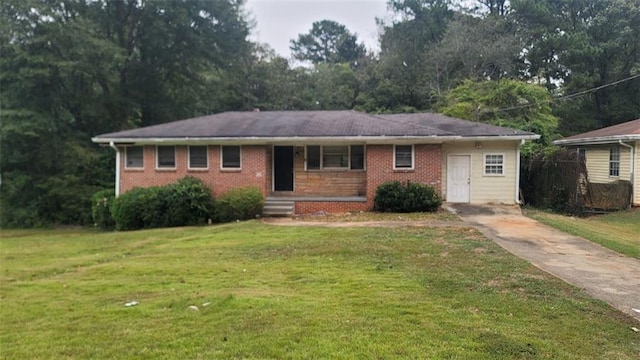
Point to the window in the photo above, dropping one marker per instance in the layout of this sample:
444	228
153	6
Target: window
313	157
231	156
582	154
494	164
614	161
403	157
134	157
357	157
335	157
166	157
198	157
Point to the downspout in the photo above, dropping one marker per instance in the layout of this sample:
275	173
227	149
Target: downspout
632	170
117	167
517	192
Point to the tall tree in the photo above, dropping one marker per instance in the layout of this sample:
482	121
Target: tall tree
327	42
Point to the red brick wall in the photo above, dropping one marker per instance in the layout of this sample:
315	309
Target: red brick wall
427	167
253	170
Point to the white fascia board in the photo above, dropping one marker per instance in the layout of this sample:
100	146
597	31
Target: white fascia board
598	140
309	139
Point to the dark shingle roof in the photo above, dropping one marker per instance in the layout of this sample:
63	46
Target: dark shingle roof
281	124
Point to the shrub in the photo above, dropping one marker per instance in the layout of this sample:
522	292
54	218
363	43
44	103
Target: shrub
187	202
101	209
239	204
394	196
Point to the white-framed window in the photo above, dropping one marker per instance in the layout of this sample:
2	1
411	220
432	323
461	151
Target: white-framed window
134	157
494	164
403	157
340	157
231	157
582	154
614	161
165	157
198	157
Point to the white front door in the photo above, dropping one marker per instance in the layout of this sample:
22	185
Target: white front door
458	178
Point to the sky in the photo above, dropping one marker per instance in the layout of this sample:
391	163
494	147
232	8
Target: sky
280	21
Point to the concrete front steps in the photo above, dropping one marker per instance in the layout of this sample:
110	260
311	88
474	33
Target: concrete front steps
278	207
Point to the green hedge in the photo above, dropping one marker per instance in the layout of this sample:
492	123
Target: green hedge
394	196
187	202
239	204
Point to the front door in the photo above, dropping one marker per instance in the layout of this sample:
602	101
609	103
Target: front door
283	168
458	178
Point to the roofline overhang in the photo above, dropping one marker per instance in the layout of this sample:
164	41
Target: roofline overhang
309	139
600	140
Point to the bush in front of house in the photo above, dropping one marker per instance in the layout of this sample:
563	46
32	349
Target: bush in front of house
187	202
394	196
239	204
101	209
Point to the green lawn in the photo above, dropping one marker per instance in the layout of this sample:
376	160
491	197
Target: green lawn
619	231
292	293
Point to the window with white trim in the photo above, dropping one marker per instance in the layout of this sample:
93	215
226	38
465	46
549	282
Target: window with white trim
614	161
134	157
198	157
166	157
334	157
494	164
403	157
231	157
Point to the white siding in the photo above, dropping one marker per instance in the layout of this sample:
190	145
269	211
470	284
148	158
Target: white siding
598	164
636	186
485	188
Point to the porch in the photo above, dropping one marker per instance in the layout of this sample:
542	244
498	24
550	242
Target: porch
287	205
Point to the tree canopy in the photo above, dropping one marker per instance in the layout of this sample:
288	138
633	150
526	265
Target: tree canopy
327	42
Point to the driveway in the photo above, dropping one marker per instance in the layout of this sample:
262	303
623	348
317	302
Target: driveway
602	273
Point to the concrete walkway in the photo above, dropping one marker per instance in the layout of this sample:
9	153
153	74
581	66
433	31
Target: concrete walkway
604	274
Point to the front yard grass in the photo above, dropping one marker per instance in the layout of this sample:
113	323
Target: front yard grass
361	216
618	231
269	292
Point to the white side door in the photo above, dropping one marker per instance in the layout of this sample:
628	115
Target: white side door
458	178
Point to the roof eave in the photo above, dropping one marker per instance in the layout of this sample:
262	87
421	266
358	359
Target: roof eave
308	139
598	140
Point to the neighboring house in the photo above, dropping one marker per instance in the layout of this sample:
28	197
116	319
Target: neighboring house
324	160
611	154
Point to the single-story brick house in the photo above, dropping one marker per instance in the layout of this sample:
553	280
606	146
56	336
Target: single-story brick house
611	154
329	161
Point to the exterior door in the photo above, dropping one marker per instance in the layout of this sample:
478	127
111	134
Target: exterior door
283	168
458	178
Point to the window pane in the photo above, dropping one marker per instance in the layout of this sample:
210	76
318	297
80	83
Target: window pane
166	157
614	161
198	157
134	157
335	156
493	164
357	157
231	157
403	156
313	157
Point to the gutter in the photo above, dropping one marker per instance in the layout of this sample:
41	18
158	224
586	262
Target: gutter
631	169
517	191
600	140
311	139
112	145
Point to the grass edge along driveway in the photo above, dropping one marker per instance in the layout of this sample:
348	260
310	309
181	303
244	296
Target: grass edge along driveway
266	292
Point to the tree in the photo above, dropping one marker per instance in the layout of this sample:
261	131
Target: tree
327	42
73	69
511	103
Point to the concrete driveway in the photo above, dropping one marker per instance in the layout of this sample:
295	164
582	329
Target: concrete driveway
603	273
